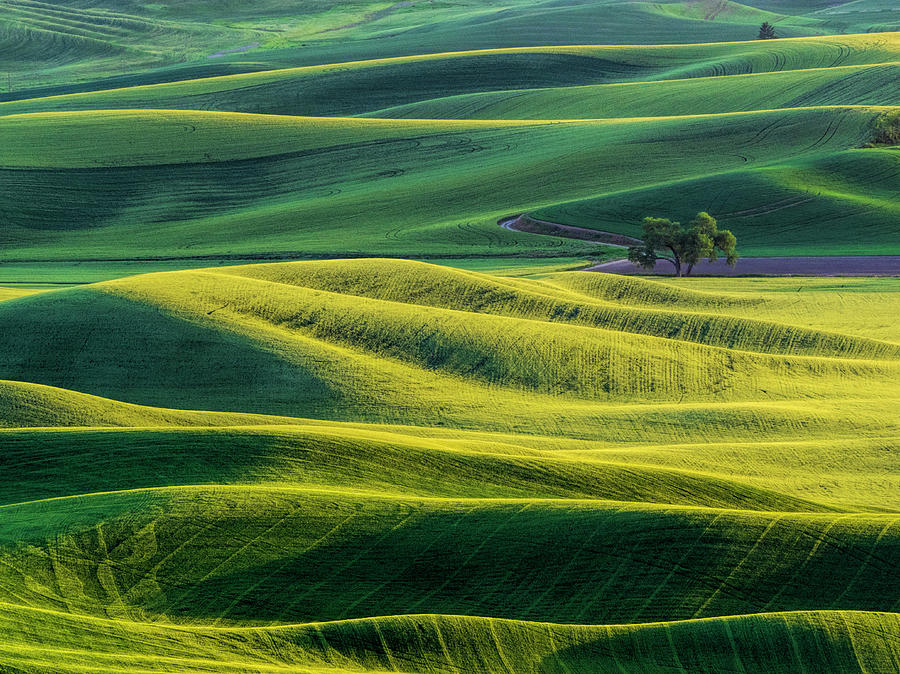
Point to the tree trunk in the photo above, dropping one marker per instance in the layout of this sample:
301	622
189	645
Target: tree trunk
675	260
689	269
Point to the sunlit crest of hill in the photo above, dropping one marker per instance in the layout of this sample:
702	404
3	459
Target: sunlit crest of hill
381	464
488	463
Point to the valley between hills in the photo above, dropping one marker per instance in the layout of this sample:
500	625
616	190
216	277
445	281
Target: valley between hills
277	393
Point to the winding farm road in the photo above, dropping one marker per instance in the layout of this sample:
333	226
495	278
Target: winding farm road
523	222
849	265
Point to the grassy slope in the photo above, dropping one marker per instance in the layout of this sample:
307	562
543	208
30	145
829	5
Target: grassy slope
289	345
34	276
264	555
229	537
616	458
164	183
805	207
351	88
445	643
401	187
12	293
100	39
848	85
275	70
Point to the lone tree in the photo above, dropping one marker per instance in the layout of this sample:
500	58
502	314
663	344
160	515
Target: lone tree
683	246
767	31
887	128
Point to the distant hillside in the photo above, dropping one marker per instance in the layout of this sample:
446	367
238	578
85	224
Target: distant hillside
110	38
182	176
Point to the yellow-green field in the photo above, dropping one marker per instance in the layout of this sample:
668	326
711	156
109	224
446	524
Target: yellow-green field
383	465
283	388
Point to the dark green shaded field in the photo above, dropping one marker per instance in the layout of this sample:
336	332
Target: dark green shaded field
183	184
240	433
47	43
772	137
772	210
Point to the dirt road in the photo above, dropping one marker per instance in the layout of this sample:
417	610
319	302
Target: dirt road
871	265
525	223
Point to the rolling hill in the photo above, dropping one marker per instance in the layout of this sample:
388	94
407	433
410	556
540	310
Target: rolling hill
271	165
833	195
189	183
372	411
366	86
107	39
248	424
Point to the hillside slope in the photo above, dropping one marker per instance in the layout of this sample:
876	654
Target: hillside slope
364	86
288	346
468	473
773	137
163	183
103	38
249	424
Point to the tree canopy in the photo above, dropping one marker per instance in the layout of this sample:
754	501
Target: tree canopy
683	246
767	31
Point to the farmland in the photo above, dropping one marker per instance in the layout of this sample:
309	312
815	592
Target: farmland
47	44
419	156
161	508
402	188
277	393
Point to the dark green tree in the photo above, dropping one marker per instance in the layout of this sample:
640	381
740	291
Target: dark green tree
683	246
767	31
887	128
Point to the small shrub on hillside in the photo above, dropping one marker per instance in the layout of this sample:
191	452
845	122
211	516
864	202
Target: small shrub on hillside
887	129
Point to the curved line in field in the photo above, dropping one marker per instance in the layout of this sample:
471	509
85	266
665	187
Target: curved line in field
473	618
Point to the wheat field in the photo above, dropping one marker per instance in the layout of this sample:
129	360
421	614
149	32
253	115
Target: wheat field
278	392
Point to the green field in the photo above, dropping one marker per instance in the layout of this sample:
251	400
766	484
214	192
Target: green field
419	156
278	394
375	465
51	43
214	183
